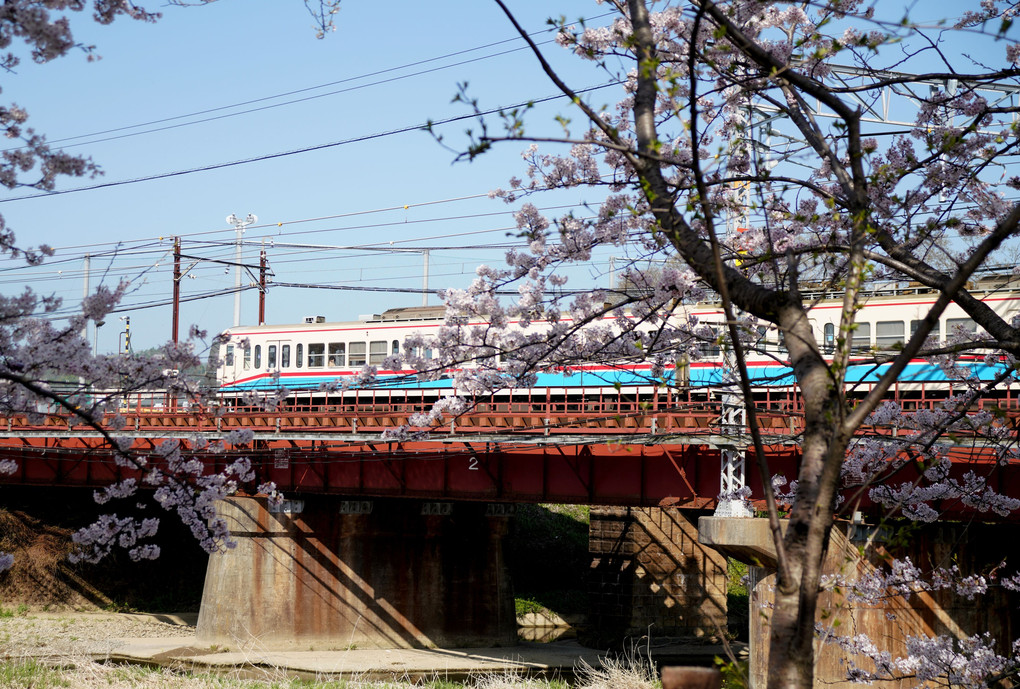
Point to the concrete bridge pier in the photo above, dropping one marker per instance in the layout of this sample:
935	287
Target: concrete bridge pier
332	573
856	550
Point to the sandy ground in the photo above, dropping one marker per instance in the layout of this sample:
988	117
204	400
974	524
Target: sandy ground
49	634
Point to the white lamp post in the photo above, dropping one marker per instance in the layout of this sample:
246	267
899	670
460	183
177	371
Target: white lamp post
239	225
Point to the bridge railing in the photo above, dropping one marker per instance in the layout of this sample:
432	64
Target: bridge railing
605	410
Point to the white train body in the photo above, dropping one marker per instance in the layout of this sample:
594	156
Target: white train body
316	354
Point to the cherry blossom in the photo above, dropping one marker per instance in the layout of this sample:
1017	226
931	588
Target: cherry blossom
744	114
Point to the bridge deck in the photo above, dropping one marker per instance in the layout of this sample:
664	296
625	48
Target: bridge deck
610	448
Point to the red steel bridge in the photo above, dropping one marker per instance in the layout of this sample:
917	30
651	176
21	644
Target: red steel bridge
600	447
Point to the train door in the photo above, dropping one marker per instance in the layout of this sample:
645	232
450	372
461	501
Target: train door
230	354
280	356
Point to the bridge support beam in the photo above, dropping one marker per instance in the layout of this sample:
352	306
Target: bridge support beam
651	576
856	550
329	573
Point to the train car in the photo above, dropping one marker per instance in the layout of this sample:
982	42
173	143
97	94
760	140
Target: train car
318	355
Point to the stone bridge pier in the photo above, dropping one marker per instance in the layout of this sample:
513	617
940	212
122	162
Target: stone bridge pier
651	577
328	573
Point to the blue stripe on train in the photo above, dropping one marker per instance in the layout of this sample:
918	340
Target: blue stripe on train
761	376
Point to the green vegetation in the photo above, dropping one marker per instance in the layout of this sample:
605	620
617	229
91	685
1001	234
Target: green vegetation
734	673
737	599
548	557
20	611
31	674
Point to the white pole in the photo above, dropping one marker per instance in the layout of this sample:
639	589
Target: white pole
237	277
239	226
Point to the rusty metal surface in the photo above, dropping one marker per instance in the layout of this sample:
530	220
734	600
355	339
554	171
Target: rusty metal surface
622	449
593	473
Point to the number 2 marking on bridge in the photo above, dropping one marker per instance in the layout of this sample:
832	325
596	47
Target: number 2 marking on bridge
473	464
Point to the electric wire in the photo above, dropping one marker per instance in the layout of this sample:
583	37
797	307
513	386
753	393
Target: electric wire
289	102
306	89
305	149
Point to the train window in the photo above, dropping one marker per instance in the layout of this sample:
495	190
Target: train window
428	352
271	356
829	337
228	359
258	356
247	357
285	356
711	347
299	352
316	355
958	326
357	354
337	353
888	334
861	337
377	352
396	348
915	324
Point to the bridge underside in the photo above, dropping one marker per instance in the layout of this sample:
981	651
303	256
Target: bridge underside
606	470
526	470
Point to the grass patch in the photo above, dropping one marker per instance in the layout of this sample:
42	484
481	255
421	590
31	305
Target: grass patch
30	674
523	606
549	559
629	671
737	600
20	611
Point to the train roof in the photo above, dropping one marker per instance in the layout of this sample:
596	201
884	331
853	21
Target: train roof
403	314
984	284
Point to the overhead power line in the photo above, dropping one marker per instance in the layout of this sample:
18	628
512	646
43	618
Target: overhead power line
409	290
307	149
306	89
294	101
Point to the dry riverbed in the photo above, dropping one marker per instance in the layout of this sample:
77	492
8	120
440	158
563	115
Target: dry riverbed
78	634
47	650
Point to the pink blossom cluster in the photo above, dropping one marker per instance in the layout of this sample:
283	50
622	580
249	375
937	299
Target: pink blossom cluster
741	135
969	662
94	542
914	499
904	578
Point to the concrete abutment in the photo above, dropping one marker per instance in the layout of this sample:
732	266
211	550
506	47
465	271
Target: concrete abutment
651	577
333	573
857	550
384	573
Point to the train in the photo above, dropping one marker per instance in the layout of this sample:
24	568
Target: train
319	355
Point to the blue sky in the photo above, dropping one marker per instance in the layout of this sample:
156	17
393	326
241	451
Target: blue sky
211	81
231	52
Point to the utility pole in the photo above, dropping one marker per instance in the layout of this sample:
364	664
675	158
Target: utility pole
239	226
262	285
425	279
176	320
86	268
127	334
